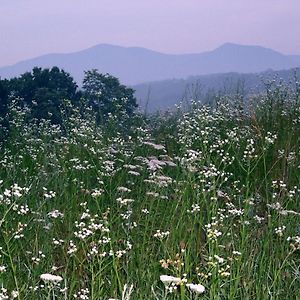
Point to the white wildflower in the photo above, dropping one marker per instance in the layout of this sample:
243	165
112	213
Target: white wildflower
197	288
55	214
51	278
166	279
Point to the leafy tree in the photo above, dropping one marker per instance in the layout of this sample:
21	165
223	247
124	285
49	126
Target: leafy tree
3	108
3	98
43	91
107	96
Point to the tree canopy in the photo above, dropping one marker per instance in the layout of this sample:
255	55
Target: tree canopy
107	96
43	91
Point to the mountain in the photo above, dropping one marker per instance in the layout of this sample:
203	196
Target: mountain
163	95
133	65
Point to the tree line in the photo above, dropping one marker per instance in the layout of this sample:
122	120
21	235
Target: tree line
43	92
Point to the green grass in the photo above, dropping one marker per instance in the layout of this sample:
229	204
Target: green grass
206	209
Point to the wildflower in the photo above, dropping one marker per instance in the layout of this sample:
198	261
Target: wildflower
164	264
155	164
195	209
197	288
219	259
55	214
294	242
82	294
213	234
124	201
14	294
134	173
161	235
2	269
166	279
51	278
155	146
123	189
97	193
279	231
72	248
3	293
224	273
49	194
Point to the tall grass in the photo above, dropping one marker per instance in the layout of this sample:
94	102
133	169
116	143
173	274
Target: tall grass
209	196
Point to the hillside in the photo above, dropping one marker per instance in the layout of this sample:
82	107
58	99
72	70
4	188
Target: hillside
205	202
162	95
135	65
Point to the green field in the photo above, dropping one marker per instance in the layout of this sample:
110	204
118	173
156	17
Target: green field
210	196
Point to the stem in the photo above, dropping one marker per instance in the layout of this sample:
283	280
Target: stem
182	291
13	268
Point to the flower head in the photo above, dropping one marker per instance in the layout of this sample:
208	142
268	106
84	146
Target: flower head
166	279
197	288
50	277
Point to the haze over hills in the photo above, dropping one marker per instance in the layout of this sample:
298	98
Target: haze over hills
134	65
163	95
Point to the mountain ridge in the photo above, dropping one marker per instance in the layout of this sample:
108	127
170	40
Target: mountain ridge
135	65
165	94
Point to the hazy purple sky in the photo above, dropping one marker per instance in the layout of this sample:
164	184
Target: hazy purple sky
29	28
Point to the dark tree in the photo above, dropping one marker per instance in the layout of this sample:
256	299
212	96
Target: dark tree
43	91
3	109
107	96
3	98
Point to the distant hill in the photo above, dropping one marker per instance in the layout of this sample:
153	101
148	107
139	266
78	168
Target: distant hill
163	95
135	65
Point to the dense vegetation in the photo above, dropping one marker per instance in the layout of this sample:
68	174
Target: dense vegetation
43	92
209	196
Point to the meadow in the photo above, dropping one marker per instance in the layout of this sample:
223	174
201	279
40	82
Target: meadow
195	204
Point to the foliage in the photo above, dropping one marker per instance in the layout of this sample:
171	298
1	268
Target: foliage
3	109
43	92
107	96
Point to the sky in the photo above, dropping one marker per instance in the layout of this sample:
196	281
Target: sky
29	28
